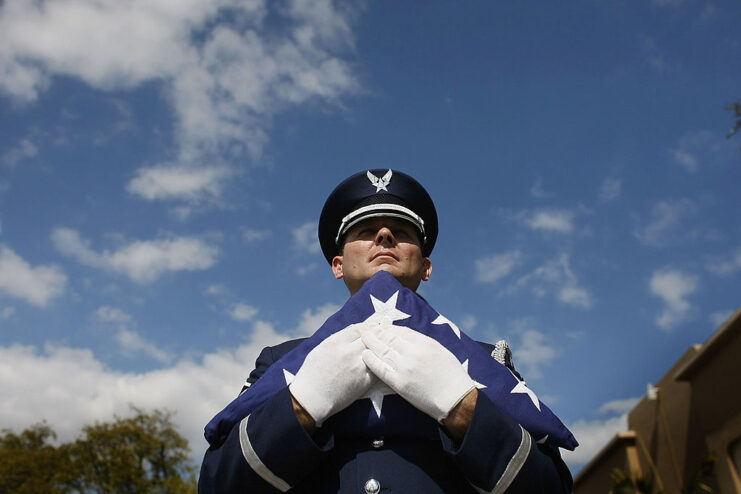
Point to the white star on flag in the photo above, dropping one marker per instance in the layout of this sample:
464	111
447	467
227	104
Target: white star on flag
376	394
289	377
475	382
386	312
441	319
522	388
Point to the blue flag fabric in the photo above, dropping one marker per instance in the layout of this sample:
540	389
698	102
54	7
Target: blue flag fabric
383	297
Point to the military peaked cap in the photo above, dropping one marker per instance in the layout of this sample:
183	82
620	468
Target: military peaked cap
371	194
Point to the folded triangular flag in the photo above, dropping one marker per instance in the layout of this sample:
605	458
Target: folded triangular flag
383	413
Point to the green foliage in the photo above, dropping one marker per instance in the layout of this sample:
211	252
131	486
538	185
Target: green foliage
141	454
624	483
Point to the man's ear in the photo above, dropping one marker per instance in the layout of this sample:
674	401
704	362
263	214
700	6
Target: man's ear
337	267
426	268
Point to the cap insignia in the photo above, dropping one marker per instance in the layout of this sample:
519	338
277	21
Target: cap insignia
380	183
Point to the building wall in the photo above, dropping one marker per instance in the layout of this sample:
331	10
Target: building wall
662	425
696	414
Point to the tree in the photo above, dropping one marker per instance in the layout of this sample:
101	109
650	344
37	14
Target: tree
736	109
141	454
30	464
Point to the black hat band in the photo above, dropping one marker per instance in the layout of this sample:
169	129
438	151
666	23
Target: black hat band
380	210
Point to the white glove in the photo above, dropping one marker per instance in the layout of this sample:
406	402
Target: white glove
418	368
333	375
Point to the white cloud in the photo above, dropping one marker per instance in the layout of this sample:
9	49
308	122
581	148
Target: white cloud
23	150
468	322
142	261
531	353
243	312
306	269
132	342
665	224
622	406
537	190
7	312
610	189
555	277
551	220
718	318
250	235
224	70
97	392
575	296
305	238
593	435
36	285
108	314
672	287
726	266
172	181
492	268
311	320
699	148
655	57
217	290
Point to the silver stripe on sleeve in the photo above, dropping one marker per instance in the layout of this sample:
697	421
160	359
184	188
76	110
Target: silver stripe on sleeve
254	461
513	467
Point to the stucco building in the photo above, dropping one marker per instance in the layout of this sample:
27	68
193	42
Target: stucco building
689	421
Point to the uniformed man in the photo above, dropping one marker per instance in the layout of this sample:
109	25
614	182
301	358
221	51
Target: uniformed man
379	220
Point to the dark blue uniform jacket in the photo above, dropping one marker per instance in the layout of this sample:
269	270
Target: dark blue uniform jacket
269	452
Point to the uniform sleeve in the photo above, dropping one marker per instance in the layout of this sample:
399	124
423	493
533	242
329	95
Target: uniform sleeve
264	360
267	452
498	455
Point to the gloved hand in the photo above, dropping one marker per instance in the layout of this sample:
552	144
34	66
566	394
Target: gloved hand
417	367
333	375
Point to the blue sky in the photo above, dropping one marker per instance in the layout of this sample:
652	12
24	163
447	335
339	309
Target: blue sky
163	165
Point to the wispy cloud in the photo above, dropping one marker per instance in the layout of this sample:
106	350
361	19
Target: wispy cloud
621	406
551	220
312	319
172	181
610	189
97	392
654	56
720	317
130	342
556	277
142	261
593	435
243	312
696	149
532	351
251	235
673	287
493	268
305	238
24	149
225	70
727	265
665	225
37	285
537	190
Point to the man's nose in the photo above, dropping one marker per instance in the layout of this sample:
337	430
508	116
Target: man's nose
385	236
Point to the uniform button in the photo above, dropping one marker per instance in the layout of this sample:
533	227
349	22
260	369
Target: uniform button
372	486
377	443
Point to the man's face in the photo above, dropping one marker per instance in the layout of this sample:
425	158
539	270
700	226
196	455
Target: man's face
382	244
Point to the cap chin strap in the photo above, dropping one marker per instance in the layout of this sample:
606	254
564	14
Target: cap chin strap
379	210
